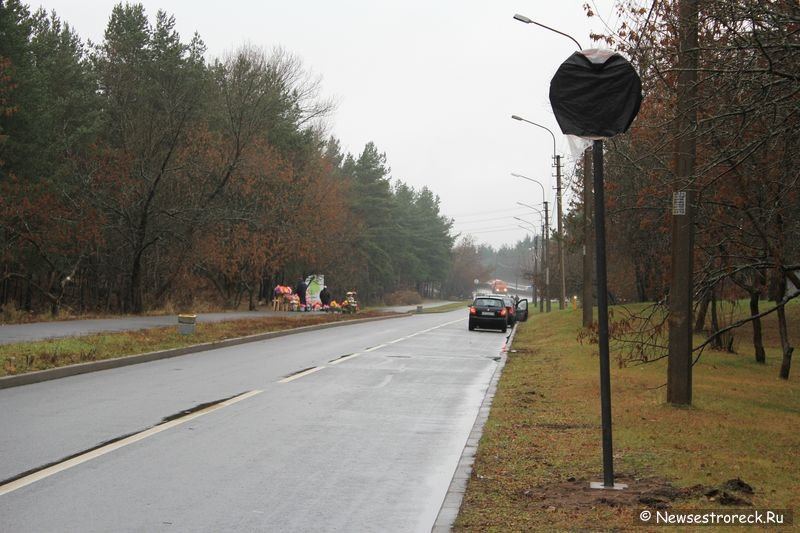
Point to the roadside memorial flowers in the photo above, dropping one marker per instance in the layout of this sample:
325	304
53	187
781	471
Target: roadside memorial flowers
282	298
286	299
350	303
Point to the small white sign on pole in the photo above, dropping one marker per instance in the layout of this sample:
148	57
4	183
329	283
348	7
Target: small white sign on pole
679	203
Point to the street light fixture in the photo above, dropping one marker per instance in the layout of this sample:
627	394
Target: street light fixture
517	117
537	182
525	221
531	207
557	159
526	20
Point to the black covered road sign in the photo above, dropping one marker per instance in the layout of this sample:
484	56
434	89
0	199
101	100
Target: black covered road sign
595	94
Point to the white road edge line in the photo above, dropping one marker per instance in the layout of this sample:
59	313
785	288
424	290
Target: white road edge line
301	374
94	454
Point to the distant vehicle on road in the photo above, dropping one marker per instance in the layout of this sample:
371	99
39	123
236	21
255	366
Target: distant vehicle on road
488	312
499	287
491	311
511	309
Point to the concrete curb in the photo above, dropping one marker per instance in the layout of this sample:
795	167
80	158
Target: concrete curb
458	485
7	382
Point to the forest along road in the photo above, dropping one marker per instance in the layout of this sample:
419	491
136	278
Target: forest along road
356	428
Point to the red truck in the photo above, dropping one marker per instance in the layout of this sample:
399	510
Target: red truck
499	287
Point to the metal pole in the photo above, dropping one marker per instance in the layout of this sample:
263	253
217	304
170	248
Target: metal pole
602	315
534	265
563	296
541	265
546	258
557	158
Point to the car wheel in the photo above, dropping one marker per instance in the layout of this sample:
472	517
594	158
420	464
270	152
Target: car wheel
505	327
471	325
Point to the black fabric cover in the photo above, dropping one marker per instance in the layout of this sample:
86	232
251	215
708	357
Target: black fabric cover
595	94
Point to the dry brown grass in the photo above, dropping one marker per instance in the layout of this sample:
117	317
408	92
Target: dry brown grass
542	443
404	297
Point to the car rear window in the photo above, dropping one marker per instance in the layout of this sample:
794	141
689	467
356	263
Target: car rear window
488	302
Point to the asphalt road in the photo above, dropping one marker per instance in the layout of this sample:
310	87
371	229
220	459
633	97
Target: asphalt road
368	439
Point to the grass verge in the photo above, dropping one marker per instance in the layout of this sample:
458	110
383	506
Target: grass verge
734	448
26	357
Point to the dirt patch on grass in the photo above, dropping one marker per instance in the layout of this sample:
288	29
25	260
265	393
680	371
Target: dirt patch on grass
649	493
575	493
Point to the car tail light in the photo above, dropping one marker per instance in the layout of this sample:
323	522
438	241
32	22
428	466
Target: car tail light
472	310
503	312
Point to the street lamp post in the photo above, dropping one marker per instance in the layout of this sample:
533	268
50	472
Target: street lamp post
619	96
536	269
544	217
534	265
545	300
546	250
557	159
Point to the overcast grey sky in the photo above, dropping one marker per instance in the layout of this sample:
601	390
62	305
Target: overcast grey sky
432	83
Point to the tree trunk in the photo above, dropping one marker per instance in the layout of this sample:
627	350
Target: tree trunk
786	362
641	284
700	320
135	295
28	306
717	343
758	340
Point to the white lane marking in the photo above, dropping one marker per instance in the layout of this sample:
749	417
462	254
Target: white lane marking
301	374
343	359
378	347
94	454
372	349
